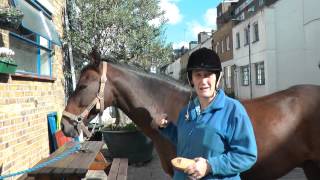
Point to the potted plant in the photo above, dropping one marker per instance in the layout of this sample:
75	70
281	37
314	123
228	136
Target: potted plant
10	18
7	63
125	140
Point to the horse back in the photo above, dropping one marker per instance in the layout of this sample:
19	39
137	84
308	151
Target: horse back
286	126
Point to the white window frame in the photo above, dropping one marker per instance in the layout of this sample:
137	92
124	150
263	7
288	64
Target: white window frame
261	2
260	73
217	47
246	36
222	46
255	32
227	77
237	40
228	43
245	75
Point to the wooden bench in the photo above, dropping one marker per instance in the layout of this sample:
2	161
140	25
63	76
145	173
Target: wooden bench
76	165
119	169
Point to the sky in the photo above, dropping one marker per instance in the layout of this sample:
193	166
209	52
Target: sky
186	18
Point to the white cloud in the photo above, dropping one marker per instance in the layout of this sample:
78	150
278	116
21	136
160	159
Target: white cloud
210	17
195	28
209	24
172	12
178	45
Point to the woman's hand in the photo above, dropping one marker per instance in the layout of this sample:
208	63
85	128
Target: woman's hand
199	169
160	122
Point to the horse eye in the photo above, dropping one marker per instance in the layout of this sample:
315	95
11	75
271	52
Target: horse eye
80	87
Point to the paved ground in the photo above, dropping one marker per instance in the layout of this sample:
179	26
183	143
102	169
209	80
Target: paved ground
152	171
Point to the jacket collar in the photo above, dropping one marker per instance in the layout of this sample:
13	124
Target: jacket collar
217	103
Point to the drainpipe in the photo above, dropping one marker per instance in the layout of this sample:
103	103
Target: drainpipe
250	69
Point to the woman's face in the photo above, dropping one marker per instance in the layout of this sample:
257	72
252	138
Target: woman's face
204	84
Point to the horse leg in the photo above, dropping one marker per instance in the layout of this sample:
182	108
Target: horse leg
311	170
166	152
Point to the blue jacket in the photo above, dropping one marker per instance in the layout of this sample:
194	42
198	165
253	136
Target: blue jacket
222	133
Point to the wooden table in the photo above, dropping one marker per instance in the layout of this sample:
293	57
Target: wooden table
76	165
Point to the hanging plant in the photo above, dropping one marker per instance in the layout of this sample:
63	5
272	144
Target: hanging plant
10	17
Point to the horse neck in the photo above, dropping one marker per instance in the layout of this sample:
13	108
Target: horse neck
140	95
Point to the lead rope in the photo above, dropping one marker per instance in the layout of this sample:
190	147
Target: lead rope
74	149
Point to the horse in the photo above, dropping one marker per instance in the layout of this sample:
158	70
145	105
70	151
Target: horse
286	123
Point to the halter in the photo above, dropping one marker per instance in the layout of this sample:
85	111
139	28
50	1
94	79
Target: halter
98	101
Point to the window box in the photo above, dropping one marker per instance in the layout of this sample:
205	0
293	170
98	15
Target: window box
7	63
7	67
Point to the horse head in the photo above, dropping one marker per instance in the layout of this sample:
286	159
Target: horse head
89	98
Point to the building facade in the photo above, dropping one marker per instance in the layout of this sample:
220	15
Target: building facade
37	87
280	51
252	57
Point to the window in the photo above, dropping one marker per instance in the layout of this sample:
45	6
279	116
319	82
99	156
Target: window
247	36
227	77
31	57
251	9
238	40
260	2
256	32
222	46
217	47
241	17
245	75
228	43
260	76
32	41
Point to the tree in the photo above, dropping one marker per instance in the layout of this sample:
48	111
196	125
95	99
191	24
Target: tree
122	29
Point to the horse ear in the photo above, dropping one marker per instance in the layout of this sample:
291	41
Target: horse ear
95	56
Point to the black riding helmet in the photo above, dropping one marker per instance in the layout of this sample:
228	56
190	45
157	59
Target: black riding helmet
204	59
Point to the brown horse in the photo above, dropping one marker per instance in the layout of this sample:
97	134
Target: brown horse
286	123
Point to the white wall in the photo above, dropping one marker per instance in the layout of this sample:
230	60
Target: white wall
298	35
311	24
174	69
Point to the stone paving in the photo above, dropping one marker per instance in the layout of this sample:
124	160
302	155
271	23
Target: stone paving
152	171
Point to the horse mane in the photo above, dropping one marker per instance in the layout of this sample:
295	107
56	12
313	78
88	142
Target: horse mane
141	72
90	66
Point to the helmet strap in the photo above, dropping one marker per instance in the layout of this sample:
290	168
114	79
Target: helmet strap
219	79
189	81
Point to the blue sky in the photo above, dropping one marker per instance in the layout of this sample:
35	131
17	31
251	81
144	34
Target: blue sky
186	18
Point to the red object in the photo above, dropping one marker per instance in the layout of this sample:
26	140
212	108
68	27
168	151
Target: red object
61	138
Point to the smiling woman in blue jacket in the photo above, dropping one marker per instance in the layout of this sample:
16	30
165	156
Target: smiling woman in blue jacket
212	129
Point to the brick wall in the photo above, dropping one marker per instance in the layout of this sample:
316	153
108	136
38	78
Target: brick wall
220	35
24	105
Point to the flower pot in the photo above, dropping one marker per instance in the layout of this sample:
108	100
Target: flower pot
7	68
131	144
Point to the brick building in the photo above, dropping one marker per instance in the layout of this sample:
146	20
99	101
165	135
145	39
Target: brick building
37	87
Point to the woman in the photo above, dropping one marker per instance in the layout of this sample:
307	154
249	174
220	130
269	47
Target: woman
212	129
